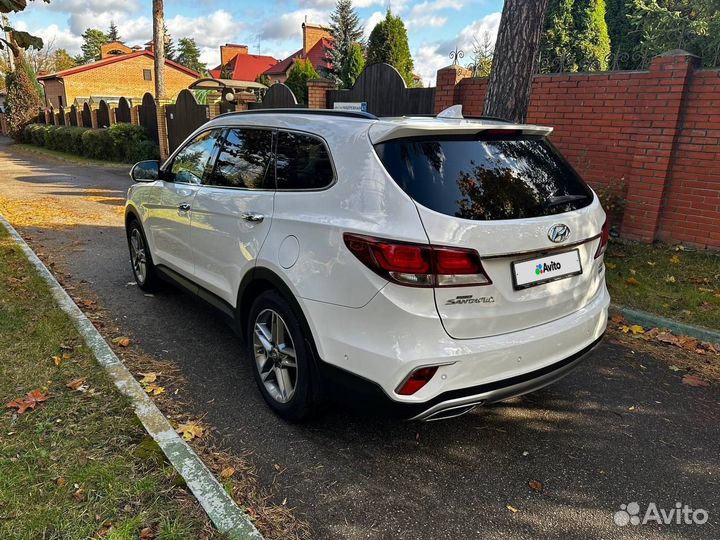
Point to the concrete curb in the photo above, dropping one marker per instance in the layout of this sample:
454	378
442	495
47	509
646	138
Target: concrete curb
227	517
651	321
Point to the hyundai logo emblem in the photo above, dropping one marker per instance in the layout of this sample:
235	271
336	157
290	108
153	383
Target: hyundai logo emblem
559	233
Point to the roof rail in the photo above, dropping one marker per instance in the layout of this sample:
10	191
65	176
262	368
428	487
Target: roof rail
318	112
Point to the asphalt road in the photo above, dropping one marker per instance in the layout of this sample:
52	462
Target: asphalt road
622	428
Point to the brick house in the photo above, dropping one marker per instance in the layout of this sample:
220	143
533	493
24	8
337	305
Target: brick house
317	41
121	71
238	65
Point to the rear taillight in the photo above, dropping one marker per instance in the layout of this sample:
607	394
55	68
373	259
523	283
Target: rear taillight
418	265
604	237
417	379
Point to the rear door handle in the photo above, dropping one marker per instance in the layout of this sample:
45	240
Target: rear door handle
253	218
184	207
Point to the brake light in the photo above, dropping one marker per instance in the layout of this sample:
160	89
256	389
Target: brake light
417	379
604	237
418	265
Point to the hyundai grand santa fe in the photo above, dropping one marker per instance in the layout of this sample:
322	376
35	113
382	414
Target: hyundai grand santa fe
432	263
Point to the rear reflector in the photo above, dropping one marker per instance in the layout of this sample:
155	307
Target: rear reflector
418	265
417	379
604	238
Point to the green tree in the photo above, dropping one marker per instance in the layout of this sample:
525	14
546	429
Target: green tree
388	43
353	66
263	79
169	46
346	31
624	38
23	101
189	55
693	25
93	39
575	36
62	60
482	55
301	72
113	34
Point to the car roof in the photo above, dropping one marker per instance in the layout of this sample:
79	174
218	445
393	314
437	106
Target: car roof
330	123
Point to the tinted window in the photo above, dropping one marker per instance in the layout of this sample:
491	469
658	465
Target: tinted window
485	179
190	163
243	160
302	162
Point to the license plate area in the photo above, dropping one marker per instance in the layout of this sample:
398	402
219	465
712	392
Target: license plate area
538	270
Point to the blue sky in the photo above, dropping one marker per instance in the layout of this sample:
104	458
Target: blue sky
269	27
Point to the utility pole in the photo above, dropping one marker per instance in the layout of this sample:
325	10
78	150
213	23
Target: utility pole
159	48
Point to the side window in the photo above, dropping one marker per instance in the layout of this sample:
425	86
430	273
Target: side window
189	164
302	162
243	160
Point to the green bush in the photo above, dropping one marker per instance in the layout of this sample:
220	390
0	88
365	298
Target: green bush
120	142
142	150
97	144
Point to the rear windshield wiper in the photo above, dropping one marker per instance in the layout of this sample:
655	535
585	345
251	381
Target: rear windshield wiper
562	199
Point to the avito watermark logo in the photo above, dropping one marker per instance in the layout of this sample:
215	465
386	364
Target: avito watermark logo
680	514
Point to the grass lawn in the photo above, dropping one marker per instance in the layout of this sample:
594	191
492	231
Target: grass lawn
70	158
79	465
676	283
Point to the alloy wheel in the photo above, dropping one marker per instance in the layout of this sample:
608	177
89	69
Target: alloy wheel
137	255
275	355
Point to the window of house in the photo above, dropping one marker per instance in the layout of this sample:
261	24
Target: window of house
303	162
147	74
243	160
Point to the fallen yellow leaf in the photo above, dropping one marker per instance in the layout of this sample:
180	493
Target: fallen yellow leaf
675	259
154	389
637	329
190	430
651	263
511	508
148	378
122	341
227	473
669	279
632	281
611	266
57	360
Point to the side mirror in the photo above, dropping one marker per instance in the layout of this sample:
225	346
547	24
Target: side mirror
145	171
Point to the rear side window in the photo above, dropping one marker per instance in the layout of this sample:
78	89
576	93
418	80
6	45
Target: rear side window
243	160
472	178
303	162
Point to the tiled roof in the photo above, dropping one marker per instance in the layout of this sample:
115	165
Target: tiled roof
316	55
246	67
112	60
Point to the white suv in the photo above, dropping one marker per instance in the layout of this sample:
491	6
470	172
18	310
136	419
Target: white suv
432	264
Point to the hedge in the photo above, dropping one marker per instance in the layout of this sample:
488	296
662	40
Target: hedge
121	142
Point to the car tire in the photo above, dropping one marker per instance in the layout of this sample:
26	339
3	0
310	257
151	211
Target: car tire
281	358
144	271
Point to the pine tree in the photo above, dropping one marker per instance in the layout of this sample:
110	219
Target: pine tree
23	101
189	55
93	39
346	31
388	43
591	43
575	36
169	45
301	72
113	34
353	66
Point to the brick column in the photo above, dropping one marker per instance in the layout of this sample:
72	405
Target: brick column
243	99
134	115
162	128
650	169
446	89
93	118
317	93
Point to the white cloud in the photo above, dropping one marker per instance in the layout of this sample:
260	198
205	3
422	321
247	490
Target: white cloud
289	25
430	57
433	21
212	30
371	22
55	37
95	7
431	6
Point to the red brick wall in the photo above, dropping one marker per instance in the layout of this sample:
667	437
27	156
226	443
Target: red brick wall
656	130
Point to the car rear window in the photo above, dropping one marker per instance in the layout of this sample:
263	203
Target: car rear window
483	178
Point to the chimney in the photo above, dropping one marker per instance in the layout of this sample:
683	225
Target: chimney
312	33
230	51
